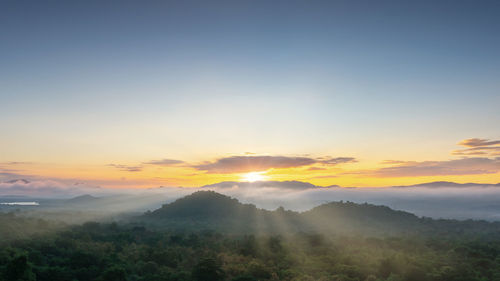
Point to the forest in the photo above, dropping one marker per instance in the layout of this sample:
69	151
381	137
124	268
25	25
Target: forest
209	236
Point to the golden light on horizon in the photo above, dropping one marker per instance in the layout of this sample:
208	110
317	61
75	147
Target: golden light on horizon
254	176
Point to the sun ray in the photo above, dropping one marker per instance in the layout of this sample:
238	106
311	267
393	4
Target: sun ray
254	176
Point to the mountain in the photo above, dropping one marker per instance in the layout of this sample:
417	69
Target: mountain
19	181
437	184
298	185
82	199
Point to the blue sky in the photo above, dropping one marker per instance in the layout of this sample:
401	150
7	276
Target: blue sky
101	81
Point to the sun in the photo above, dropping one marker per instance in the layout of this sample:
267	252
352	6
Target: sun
254	176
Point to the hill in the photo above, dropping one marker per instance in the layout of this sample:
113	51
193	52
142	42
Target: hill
82	199
203	204
212	210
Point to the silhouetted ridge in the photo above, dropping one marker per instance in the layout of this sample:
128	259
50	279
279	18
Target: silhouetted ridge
82	199
352	217
19	181
365	211
438	184
202	204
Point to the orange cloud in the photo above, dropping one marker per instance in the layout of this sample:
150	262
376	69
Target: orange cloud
164	162
465	166
477	146
240	164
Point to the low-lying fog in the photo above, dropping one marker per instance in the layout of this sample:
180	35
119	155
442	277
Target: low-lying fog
455	201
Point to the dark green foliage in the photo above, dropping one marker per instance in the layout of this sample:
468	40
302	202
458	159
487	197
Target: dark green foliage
423	250
14	227
114	273
207	269
387	267
99	252
244	278
18	269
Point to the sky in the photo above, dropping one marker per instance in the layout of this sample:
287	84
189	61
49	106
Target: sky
137	94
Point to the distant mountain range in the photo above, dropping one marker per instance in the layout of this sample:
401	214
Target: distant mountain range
451	184
20	181
278	184
298	185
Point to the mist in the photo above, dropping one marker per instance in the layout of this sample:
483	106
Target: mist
466	202
429	200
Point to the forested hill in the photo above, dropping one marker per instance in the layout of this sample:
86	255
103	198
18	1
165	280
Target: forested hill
211	210
204	204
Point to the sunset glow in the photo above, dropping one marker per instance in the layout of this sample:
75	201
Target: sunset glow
254	176
140	104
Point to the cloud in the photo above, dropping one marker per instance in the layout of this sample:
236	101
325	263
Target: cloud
16	163
338	160
8	173
126	168
478	142
239	164
316	169
392	162
164	162
477	147
465	166
11	174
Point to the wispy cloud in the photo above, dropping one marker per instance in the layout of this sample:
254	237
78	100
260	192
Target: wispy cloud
126	168
338	160
9	173
16	163
475	142
477	147
164	162
238	164
465	166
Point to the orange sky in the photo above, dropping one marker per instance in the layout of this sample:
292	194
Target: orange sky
344	170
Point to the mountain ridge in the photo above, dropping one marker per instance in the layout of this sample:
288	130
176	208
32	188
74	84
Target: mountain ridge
299	185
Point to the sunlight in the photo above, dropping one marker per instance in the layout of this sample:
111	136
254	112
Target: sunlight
254	176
